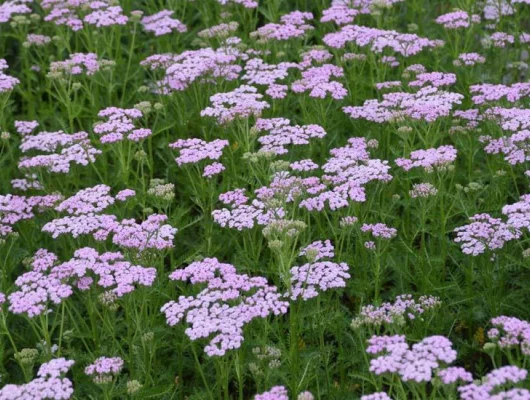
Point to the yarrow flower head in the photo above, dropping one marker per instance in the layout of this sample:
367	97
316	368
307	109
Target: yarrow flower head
457	19
317	275
7	83
104	369
194	151
203	65
280	134
62	150
50	383
276	393
423	190
120	124
161	23
52	282
224	307
243	102
429	159
402	309
412	364
291	26
77	64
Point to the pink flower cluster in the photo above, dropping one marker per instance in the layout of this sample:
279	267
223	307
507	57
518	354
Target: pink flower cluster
276	393
243	102
435	79
38	40
84	218
281	134
25	127
515	148
484	233
50	282
457	19
224	307
181	70
18	208
317	81
77	64
379	230
64	150
428	104
404	307
488	92
50	384
292	25
120	124
429	159
317	276
498	378
469	59
511	332
161	23
411	364
379	40
423	190
12	7
193	151
73	13
339	13
103	369
348	171
7	83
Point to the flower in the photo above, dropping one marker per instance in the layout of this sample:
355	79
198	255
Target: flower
228	302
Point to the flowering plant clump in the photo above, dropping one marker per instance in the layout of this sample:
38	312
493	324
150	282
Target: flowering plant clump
243	199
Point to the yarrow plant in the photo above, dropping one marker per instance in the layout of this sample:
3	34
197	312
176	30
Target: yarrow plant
225	199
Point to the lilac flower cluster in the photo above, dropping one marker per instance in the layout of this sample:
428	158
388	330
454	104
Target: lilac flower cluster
85	219
50	282
428	104
487	92
430	159
348	171
103	369
411	364
193	151
281	134
25	127
72	13
292	25
63	150
484	233
423	190
276	393
469	59
161	23
318	82
12	7
435	79
510	332
224	307
339	13
404	307
498	378
379	230
457	19
77	64
18	208
243	102
120	124
406	44
7	83
181	70
38	40
49	384
317	276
